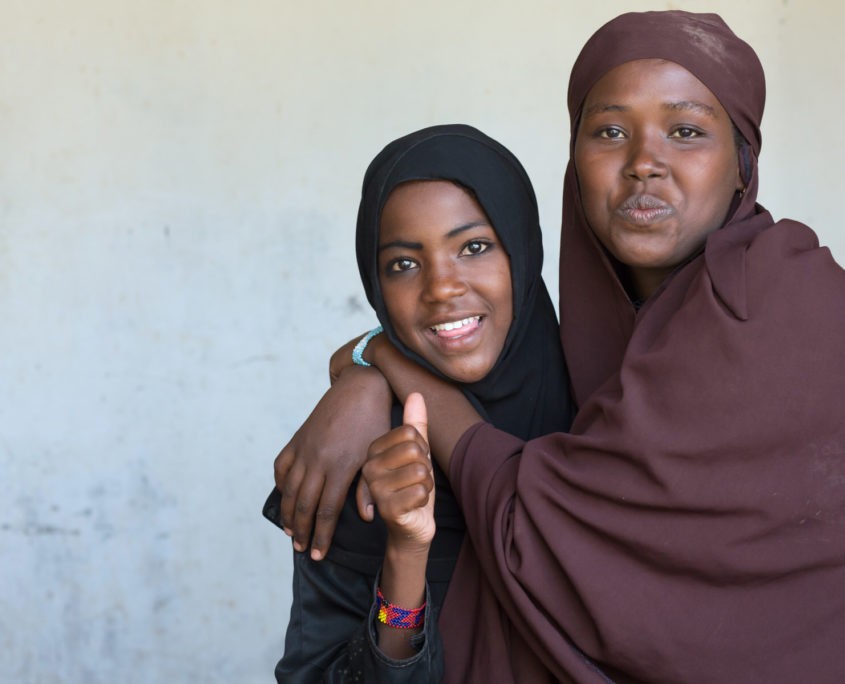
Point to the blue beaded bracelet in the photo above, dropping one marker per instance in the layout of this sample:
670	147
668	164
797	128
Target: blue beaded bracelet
358	351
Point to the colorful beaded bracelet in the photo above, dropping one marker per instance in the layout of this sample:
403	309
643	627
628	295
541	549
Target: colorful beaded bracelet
394	616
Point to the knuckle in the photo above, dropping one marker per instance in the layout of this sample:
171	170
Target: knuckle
326	513
409	432
377	493
304	507
419	471
291	481
284	458
415	450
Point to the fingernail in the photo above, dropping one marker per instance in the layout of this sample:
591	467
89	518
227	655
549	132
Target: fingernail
316	555
298	547
288	531
370	511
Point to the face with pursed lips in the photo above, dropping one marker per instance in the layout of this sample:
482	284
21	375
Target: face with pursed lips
445	278
657	166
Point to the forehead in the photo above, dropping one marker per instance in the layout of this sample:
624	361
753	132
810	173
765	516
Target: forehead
428	204
651	83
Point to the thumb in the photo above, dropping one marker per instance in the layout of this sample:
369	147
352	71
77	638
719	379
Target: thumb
415	414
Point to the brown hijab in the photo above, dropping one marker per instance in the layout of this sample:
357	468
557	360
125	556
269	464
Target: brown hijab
691	528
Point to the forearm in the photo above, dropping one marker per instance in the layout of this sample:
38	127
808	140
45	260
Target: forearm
402	584
449	412
369	380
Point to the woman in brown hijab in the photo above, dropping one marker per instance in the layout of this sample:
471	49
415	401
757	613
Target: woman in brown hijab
691	527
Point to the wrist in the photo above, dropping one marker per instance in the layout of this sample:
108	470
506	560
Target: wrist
403	577
399	617
374	352
358	357
400	550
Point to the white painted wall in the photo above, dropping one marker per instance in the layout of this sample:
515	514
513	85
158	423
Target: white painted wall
178	188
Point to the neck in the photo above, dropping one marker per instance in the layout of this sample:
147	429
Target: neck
641	283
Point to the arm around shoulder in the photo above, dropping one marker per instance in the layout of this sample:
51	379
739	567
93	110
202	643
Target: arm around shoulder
314	470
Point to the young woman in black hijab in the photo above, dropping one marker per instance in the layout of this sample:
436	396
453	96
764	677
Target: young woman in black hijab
443	307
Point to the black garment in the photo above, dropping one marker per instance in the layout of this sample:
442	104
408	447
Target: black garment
331	633
331	636
321	620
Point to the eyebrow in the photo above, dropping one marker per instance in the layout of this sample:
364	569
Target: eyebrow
691	106
681	106
602	107
404	244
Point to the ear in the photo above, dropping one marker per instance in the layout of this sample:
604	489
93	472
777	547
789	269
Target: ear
744	163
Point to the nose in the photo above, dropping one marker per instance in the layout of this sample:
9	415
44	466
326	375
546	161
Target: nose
443	282
645	158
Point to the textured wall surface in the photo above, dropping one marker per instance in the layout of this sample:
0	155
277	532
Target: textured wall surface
178	189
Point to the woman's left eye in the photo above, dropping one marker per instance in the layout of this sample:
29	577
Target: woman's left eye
475	247
611	133
685	132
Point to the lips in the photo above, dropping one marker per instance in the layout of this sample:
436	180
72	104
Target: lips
456	328
643	210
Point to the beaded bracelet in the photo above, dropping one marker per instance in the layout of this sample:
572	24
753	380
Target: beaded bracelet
394	616
358	351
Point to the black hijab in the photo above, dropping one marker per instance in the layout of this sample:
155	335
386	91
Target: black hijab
526	392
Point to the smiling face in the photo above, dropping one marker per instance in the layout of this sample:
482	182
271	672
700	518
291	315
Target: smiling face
657	166
445	278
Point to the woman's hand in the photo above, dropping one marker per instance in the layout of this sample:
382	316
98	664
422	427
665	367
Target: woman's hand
449	412
400	479
341	359
315	469
399	476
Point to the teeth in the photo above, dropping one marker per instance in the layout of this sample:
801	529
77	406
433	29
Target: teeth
452	325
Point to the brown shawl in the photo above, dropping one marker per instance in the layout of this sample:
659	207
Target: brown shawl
691	528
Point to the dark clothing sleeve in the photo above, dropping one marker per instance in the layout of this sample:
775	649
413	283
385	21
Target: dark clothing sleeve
332	636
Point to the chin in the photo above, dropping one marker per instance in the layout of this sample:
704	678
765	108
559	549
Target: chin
645	259
464	376
468	377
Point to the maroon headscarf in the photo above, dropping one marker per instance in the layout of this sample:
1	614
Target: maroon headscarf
691	528
705	46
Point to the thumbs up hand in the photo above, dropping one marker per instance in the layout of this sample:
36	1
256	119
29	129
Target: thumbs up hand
400	479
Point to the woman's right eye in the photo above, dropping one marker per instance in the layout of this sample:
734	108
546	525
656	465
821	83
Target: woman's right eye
611	133
401	264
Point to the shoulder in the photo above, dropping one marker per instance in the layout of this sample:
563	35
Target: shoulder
765	260
786	262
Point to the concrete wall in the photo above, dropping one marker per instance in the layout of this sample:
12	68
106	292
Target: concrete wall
178	188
